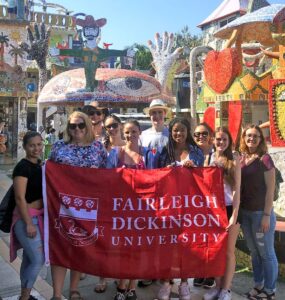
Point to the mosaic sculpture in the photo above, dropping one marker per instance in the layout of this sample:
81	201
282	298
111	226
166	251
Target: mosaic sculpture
228	79
115	86
92	54
38	50
164	60
194	58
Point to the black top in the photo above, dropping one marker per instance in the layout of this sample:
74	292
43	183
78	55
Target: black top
33	172
253	187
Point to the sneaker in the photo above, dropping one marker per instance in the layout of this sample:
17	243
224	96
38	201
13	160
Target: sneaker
212	294
263	295
209	283
225	295
164	292
184	291
120	296
198	281
131	295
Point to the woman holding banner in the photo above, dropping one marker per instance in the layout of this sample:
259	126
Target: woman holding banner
132	156
112	139
181	150
27	226
204	138
77	149
257	215
225	158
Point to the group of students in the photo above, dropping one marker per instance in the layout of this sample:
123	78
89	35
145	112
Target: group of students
248	188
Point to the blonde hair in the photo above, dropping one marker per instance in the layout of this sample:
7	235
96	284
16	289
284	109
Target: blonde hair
261	148
89	136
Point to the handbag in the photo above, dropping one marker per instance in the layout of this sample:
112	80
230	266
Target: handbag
278	181
7	207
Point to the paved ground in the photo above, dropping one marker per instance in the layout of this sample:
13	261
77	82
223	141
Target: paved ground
10	283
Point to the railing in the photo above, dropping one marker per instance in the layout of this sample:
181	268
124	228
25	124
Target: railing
54	20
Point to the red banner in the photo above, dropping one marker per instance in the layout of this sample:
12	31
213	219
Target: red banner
123	223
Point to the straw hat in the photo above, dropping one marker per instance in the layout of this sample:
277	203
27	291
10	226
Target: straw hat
156	104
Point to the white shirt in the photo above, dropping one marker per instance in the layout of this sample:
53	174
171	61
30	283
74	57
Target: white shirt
153	139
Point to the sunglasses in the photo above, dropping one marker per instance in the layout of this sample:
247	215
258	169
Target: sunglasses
203	134
254	136
113	125
94	112
73	126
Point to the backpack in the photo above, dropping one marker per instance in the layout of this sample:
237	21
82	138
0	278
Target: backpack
7	206
278	180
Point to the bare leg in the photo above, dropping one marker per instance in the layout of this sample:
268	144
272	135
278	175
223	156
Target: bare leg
74	280
132	285
231	259
123	284
25	293
58	275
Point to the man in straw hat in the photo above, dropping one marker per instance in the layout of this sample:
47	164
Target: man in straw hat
156	137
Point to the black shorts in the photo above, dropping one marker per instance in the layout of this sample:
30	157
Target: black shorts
230	212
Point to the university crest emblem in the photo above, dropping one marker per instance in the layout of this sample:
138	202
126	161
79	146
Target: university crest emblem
77	220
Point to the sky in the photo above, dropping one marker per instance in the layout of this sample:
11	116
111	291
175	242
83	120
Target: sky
137	21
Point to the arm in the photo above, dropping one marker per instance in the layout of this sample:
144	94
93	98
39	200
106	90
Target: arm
71	52
236	191
20	186
270	53
269	177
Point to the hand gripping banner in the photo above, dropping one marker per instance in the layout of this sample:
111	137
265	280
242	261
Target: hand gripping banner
123	223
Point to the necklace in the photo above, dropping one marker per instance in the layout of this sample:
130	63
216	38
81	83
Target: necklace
249	158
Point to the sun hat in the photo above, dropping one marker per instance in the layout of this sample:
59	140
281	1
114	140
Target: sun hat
156	104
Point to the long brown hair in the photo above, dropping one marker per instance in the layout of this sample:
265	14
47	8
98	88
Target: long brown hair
228	162
261	148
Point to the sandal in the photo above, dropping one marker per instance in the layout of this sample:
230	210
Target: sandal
253	292
263	295
100	287
75	295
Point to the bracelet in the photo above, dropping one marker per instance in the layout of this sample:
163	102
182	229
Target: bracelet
266	214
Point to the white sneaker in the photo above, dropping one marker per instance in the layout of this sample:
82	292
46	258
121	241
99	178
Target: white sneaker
212	294
184	291
164	292
225	295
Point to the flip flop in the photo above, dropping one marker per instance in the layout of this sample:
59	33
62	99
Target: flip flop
100	287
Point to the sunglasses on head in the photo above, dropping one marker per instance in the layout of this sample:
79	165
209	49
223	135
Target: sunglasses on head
73	126
113	125
94	112
203	134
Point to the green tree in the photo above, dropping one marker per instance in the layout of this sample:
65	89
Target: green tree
185	39
143	57
15	52
3	42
